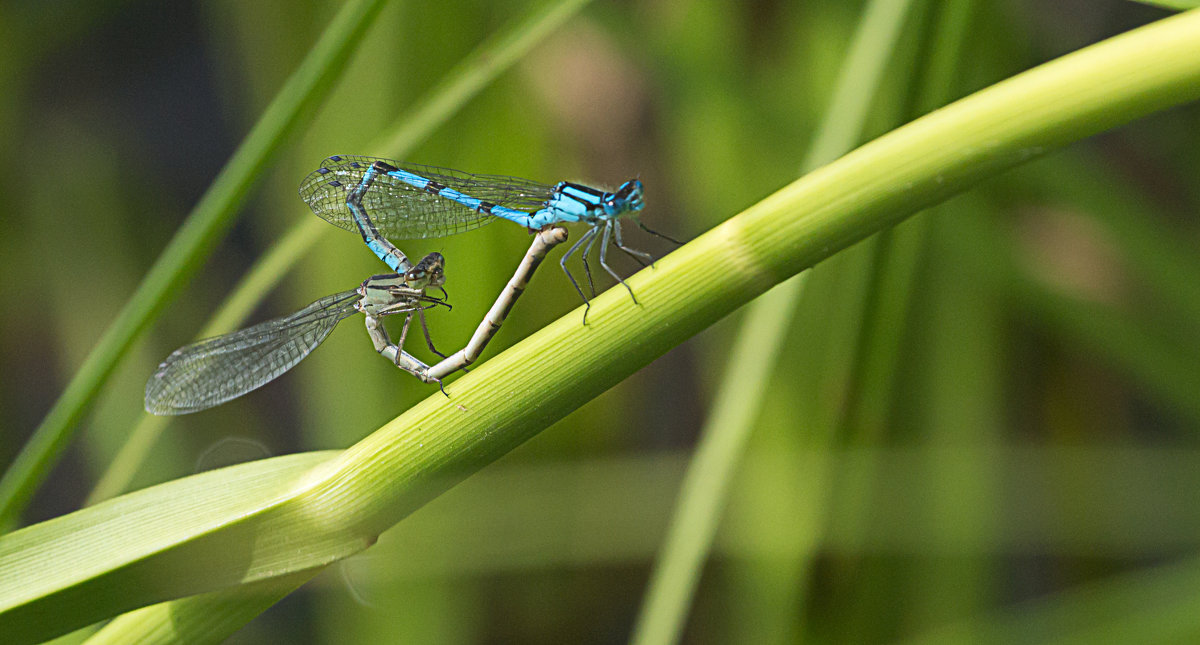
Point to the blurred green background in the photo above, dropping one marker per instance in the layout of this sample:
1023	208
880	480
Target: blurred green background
1007	454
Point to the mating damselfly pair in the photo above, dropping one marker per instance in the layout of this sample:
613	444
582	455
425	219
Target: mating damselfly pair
381	198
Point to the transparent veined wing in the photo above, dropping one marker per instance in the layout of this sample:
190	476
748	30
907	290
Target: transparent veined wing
401	211
215	370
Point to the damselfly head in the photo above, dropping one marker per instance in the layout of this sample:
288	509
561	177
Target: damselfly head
429	272
626	199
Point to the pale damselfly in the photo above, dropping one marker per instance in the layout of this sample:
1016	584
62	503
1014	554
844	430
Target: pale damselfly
216	370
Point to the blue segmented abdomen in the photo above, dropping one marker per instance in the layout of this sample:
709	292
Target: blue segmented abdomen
402	210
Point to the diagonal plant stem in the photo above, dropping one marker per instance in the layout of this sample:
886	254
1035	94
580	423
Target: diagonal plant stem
182	257
475	72
755	354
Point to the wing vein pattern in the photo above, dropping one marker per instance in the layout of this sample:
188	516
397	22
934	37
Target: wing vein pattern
212	371
401	211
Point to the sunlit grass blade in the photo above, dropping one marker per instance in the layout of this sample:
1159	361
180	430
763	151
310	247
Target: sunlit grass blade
182	257
151	545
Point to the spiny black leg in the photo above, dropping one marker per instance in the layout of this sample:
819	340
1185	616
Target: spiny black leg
641	256
636	255
656	233
429	342
587	269
425	330
604	263
403	335
587	306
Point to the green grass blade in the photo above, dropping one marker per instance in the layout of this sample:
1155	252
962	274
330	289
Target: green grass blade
110	558
204	618
295	523
739	397
195	239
